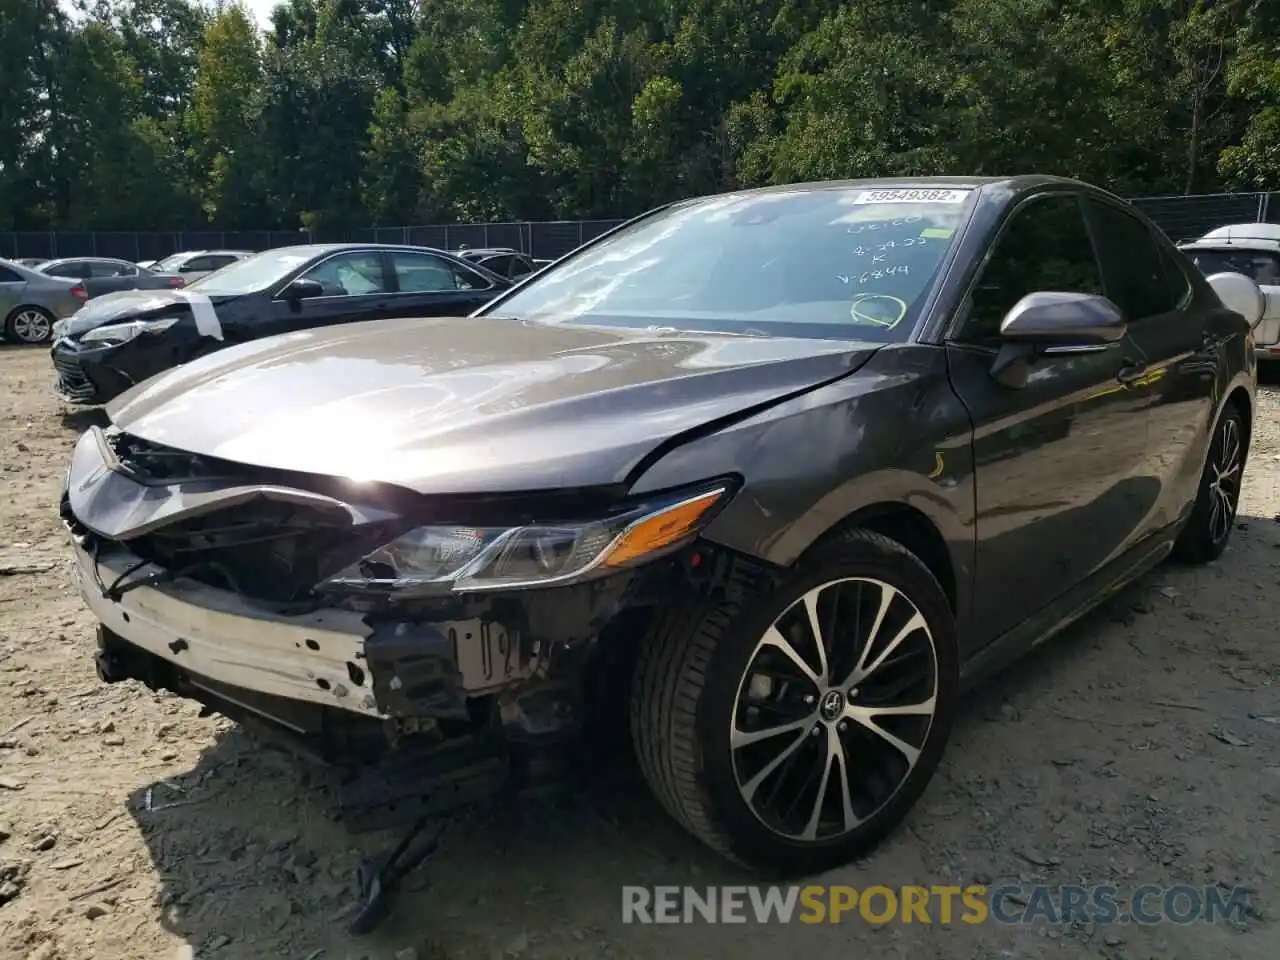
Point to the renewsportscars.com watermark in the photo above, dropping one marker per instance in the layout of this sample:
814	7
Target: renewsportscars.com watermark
1010	904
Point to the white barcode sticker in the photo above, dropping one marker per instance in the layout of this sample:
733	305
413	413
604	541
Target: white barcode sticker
912	195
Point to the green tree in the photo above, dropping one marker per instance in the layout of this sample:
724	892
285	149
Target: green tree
225	121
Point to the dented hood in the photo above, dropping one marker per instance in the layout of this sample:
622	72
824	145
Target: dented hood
125	305
469	405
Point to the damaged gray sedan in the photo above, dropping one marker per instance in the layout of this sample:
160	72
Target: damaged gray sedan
775	473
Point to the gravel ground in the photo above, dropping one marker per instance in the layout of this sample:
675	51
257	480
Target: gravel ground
1140	747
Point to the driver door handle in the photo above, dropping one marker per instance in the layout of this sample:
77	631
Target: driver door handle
1131	371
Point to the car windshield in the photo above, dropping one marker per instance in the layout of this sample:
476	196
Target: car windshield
1261	266
258	272
832	262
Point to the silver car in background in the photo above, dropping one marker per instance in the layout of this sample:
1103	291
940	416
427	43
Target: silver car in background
32	302
193	265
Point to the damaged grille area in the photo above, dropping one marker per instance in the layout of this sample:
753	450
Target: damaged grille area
268	551
71	379
155	463
264	547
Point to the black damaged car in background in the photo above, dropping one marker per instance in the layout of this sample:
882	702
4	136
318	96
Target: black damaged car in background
777	472
121	339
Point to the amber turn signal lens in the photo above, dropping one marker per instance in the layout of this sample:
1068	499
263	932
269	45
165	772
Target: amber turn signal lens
662	529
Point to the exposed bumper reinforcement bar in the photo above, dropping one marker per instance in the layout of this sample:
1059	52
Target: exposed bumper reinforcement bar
316	657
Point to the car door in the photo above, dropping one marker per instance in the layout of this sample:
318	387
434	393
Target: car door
112	268
1058	462
103	276
1144	275
433	286
356	287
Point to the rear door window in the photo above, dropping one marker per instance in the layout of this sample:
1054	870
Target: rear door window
108	268
1134	273
78	269
423	273
501	264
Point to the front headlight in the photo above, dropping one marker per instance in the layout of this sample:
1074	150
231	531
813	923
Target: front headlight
124	332
455	559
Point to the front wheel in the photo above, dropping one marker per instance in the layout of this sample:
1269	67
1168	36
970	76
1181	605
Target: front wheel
791	732
1213	516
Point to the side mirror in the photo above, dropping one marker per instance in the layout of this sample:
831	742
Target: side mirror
1052	322
1239	293
1053	319
302	289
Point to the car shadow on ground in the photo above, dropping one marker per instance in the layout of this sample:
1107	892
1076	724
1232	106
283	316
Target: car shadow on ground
247	846
81	419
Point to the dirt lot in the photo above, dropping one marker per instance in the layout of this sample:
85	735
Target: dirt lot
1139	748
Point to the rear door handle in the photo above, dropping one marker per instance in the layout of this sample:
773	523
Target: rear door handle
1131	371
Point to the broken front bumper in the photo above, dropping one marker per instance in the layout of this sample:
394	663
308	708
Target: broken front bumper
214	635
518	659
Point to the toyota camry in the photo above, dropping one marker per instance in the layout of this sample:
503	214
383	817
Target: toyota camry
779	471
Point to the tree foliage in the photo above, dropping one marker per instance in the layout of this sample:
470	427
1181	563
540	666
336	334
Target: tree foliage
170	114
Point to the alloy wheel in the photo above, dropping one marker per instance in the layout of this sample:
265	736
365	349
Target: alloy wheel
1224	484
834	709
31	326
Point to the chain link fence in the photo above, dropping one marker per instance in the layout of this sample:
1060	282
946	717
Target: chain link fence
544	240
1182	218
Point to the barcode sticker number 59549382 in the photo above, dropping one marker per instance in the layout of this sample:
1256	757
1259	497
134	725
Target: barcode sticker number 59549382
912	195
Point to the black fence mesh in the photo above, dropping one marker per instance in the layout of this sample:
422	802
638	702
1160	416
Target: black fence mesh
1182	218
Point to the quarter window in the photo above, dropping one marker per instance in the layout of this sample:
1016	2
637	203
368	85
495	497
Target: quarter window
1043	247
8	276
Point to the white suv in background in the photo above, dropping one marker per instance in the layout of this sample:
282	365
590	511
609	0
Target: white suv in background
1254	250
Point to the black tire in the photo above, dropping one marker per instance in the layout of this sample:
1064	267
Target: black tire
1205	535
11	325
690	673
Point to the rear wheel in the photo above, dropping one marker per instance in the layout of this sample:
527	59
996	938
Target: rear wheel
29	325
1213	516
793	731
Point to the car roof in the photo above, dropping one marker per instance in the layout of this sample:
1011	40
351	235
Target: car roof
1000	189
1241	236
315	249
203	253
1017	183
90	258
31	273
